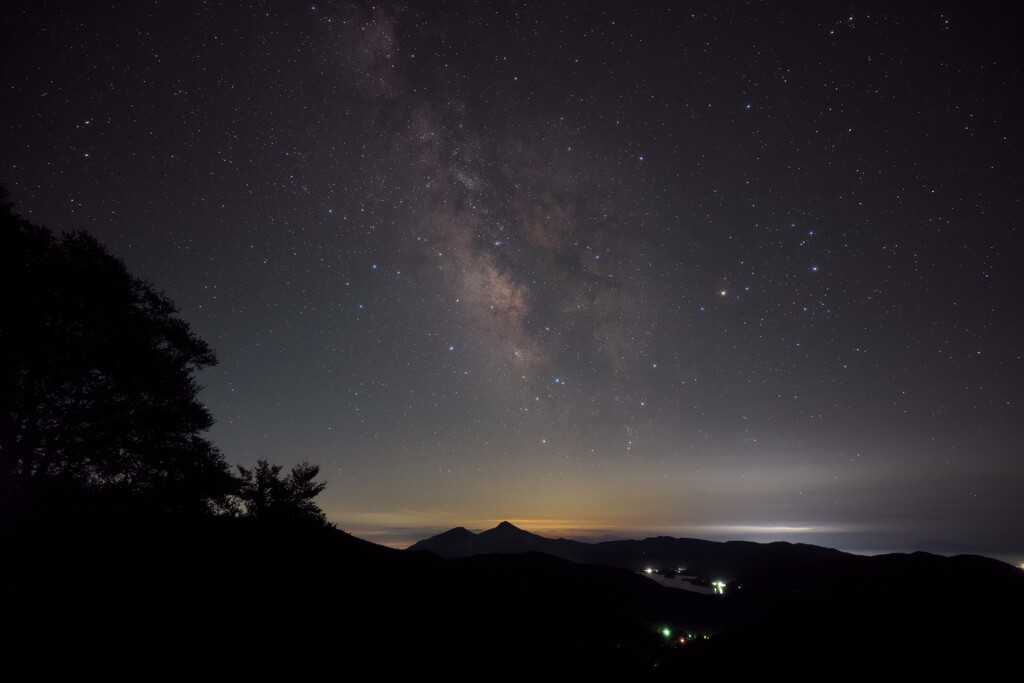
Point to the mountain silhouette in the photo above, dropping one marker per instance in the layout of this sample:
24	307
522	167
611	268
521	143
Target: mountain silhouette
789	612
506	538
728	561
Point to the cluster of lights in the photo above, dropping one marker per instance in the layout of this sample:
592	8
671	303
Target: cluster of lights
683	638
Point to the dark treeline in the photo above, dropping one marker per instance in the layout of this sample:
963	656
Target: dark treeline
99	405
127	539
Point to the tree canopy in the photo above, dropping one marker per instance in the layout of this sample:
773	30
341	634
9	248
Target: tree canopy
98	376
266	495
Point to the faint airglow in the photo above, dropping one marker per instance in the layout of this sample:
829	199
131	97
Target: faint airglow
742	530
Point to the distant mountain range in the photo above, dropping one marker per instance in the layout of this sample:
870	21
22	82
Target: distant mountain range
790	611
728	561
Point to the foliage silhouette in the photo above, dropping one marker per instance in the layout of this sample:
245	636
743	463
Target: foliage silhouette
267	496
97	375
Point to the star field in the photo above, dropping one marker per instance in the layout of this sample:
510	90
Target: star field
742	271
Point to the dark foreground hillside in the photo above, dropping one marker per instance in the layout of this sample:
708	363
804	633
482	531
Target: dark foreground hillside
235	599
892	616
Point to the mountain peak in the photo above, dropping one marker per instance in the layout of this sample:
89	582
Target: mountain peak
506	530
458	531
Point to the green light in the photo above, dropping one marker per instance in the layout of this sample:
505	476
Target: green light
666	632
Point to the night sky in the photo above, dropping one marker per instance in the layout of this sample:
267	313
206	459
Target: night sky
724	270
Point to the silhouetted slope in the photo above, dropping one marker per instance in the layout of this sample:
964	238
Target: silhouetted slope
532	613
226	599
911	616
232	599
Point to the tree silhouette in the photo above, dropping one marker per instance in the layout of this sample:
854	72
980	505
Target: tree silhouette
97	387
265	495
